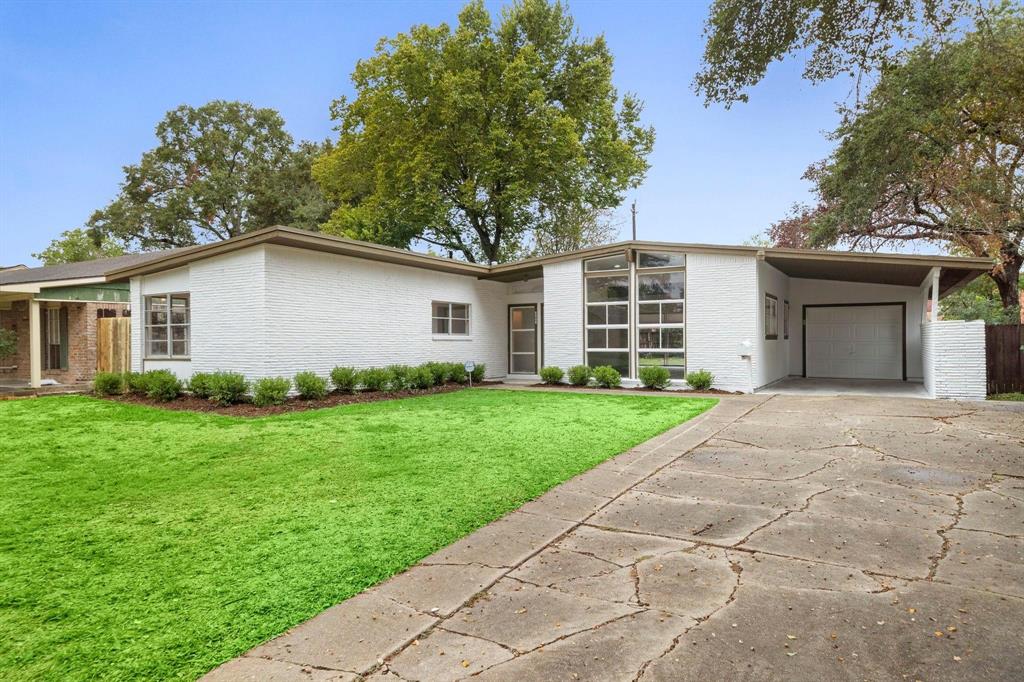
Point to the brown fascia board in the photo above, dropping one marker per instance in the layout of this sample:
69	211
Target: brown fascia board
294	237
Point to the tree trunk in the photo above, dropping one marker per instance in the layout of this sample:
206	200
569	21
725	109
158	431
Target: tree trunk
1007	277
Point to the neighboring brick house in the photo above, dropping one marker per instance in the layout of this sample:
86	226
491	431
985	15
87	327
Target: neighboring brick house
69	341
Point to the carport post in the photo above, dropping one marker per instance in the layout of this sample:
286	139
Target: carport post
35	345
935	293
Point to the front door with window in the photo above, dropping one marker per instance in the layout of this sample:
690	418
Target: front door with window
522	339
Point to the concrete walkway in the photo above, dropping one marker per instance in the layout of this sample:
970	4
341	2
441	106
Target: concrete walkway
771	538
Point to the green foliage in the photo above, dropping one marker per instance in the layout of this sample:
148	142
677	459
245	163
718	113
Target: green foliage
201	385
421	377
398	377
607	377
108	383
457	372
113	535
162	385
928	157
978	300
653	376
8	343
700	380
479	139
310	386
135	382
1006	396
344	379
440	372
227	388
840	36
271	391
479	372
73	246
579	375
219	170
551	375
375	378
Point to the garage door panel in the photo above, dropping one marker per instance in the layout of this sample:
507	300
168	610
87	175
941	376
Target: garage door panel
854	342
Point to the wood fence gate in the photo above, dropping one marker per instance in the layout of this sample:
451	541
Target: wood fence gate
1004	357
113	344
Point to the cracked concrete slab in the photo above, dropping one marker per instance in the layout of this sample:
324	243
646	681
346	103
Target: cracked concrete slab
442	656
895	552
524	617
672	517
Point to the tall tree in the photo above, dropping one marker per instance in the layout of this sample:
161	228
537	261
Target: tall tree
935	153
77	245
468	138
219	170
841	36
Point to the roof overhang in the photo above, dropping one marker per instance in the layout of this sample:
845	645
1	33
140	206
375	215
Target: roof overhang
302	239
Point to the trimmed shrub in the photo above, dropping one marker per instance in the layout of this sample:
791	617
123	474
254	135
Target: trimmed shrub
375	378
398	379
655	377
421	377
135	382
440	372
271	391
551	375
200	385
457	372
228	387
310	386
479	371
579	375
700	381
108	383
607	377
162	385
344	379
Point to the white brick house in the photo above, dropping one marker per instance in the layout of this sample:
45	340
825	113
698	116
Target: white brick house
281	300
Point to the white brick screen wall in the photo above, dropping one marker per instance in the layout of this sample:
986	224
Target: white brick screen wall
563	314
721	310
953	353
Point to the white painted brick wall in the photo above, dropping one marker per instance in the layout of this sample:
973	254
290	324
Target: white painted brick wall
563	314
954	359
325	310
721	311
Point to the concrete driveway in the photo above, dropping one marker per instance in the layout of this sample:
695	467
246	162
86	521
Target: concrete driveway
772	538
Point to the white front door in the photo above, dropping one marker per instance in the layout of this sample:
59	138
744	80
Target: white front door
522	339
854	342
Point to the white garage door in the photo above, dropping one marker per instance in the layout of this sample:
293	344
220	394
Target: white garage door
855	342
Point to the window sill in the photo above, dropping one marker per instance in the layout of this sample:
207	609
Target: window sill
451	337
164	358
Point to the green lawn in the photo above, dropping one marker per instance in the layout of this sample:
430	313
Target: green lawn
143	543
1006	396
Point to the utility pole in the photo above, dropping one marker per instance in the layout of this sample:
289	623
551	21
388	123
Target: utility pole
633	211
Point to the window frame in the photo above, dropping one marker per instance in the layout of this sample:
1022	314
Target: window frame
605	329
169	326
771	314
678	371
449	318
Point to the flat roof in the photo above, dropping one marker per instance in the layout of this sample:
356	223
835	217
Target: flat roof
885	268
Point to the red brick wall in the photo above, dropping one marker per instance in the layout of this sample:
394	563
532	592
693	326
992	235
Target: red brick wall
81	341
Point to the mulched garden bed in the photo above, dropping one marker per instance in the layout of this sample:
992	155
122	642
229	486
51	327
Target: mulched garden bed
641	389
192	404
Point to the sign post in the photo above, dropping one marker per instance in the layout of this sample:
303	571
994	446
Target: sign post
469	367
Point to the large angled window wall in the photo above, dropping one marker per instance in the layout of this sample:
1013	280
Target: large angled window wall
636	312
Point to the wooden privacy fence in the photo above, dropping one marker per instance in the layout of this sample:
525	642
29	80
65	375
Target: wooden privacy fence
1004	357
113	344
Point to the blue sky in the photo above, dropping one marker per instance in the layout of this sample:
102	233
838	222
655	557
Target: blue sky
84	85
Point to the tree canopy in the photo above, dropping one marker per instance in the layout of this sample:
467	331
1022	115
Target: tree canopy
838	36
77	245
219	170
934	153
476	140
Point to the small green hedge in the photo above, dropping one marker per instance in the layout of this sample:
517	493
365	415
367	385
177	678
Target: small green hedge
700	381
551	375
374	378
655	377
270	391
108	383
227	388
421	377
579	375
344	379
310	386
162	385
607	377
200	385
